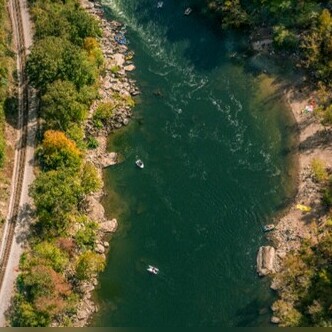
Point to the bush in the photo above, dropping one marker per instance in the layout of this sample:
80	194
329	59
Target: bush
88	264
91	181
52	255
103	112
86	236
319	170
92	143
284	38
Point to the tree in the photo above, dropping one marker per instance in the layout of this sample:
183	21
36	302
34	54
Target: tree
51	255
82	25
45	61
56	195
58	151
86	236
49	20
88	264
91	181
60	106
53	58
25	315
47	289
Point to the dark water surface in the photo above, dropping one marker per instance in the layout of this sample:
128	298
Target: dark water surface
214	144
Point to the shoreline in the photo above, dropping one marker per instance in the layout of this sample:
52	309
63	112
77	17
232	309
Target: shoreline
294	226
111	83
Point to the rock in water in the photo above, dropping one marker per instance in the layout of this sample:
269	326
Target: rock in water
129	68
275	320
109	226
265	260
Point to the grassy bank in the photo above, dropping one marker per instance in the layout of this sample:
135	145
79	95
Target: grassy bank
64	66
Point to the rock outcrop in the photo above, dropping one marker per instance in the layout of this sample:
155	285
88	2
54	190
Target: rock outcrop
265	260
109	226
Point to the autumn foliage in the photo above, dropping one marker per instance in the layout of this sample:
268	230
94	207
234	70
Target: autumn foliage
58	151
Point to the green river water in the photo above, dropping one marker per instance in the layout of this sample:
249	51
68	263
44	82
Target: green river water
215	143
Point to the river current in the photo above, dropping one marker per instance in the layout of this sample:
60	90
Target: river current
214	136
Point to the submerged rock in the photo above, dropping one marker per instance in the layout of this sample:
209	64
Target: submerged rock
265	260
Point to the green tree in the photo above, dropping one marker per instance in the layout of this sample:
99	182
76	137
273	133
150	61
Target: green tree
60	106
86	236
88	264
25	315
51	255
53	58
82	25
56	195
91	181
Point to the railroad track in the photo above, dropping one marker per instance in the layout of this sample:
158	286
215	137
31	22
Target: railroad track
23	111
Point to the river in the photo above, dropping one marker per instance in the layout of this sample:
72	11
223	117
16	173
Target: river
215	138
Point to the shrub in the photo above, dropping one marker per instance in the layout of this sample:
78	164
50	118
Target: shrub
52	255
103	112
319	170
284	38
90	179
88	264
86	236
92	142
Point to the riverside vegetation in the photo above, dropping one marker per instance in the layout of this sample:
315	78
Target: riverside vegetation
302	30
64	67
4	73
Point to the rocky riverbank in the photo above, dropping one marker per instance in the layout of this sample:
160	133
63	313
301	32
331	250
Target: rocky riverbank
296	225
114	84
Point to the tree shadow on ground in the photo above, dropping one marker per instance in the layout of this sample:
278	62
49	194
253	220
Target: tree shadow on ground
320	139
11	111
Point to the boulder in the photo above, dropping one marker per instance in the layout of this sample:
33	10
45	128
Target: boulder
125	121
82	314
109	226
275	320
265	260
108	159
129	68
119	59
100	249
95	210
